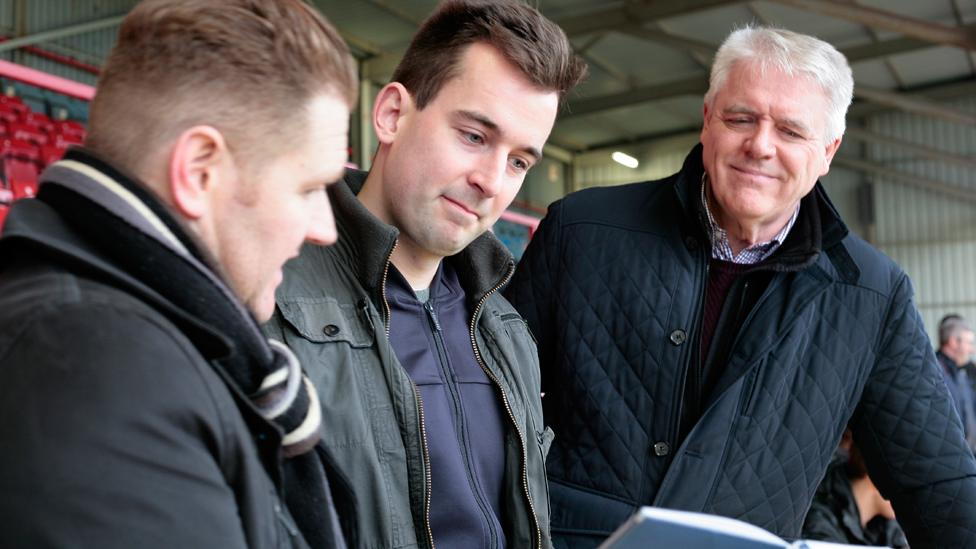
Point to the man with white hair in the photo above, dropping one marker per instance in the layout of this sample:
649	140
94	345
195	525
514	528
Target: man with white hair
954	354
704	339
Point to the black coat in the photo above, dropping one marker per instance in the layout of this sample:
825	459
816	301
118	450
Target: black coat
835	517
612	286
118	425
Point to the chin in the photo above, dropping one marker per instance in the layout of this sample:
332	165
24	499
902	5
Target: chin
262	308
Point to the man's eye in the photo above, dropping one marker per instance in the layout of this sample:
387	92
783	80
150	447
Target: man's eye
519	164
738	121
473	138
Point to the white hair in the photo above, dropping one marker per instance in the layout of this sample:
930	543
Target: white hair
793	54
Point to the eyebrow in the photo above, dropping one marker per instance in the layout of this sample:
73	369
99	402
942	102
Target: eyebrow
491	125
791	122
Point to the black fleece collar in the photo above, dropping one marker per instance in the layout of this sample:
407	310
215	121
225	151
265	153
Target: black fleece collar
367	243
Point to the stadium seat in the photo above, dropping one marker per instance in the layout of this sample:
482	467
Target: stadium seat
12	104
52	152
37	120
3	215
69	128
20	159
27	132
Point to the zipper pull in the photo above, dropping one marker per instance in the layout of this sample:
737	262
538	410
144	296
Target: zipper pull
433	317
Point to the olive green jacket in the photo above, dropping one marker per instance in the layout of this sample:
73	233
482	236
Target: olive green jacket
332	311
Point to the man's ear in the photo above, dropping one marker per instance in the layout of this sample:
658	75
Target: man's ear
705	120
829	152
194	169
392	104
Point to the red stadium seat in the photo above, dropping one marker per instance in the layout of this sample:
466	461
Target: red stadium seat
37	120
20	159
66	140
26	132
22	177
13	104
69	128
3	215
19	148
52	153
9	116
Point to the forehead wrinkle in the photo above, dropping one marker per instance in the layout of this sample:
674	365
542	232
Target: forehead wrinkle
492	126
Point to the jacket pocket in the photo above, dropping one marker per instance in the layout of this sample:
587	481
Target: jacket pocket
325	320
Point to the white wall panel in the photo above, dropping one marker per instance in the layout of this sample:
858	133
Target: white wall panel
932	236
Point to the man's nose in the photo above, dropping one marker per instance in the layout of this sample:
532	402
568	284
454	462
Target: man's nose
488	175
761	142
321	228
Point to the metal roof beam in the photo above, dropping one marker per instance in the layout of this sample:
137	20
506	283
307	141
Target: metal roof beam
618	17
942	92
931	153
696	85
678	42
634	12
934	33
644	94
913	104
55	34
926	183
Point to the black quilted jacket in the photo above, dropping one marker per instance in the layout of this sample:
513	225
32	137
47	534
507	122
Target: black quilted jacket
612	287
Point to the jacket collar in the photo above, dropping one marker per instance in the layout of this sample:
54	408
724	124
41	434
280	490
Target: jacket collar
366	243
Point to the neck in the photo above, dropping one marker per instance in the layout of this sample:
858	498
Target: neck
869	501
953	356
744	234
417	265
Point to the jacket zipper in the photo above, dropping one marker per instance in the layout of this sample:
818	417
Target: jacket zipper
508	406
483	506
420	405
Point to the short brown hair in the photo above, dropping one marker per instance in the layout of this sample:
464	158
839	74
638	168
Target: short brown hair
534	44
246	67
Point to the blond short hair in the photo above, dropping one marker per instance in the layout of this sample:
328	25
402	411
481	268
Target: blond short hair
245	67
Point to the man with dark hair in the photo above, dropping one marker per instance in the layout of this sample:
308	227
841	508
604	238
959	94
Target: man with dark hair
428	377
955	353
848	508
141	404
706	338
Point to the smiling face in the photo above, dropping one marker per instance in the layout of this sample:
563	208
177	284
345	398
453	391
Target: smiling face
764	146
264	216
449	170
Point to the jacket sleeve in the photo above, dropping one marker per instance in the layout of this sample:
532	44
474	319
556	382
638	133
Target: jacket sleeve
532	291
910	435
111	436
